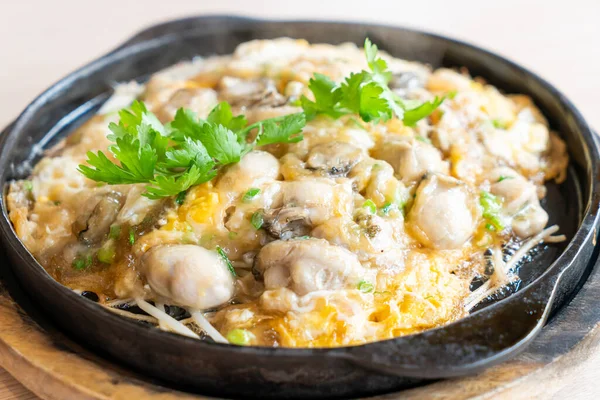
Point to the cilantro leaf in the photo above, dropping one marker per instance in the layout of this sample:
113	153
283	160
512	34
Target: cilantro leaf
138	115
222	115
221	143
186	124
365	93
288	130
350	92
188	152
379	66
326	97
362	96
373	107
165	186
104	170
412	116
137	158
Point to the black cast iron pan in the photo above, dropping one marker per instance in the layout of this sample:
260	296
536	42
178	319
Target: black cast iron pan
488	336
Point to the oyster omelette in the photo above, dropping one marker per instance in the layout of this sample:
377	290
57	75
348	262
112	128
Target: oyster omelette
294	194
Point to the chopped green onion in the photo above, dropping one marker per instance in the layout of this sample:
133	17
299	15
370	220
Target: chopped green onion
251	194
180	197
303	237
131	236
232	235
370	205
241	337
82	262
106	254
452	94
28	185
257	220
387	207
499	124
502	177
227	260
115	232
365	287
491	209
490	227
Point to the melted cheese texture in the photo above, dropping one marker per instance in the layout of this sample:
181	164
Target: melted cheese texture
368	231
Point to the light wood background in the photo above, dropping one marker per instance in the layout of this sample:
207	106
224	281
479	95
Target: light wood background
41	41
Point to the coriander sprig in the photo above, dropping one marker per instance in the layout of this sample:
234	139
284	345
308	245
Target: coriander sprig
186	152
189	150
365	93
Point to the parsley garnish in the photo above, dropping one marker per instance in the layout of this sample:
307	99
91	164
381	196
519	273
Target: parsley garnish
180	198
189	150
414	115
365	93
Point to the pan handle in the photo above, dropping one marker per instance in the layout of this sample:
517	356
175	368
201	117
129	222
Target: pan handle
484	338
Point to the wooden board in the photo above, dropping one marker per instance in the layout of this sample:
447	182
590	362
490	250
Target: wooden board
560	362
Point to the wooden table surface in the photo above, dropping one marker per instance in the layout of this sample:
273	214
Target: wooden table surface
42	41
